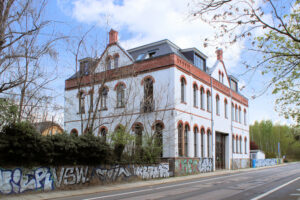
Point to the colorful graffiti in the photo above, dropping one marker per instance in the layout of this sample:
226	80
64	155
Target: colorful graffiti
193	166
240	163
19	180
265	162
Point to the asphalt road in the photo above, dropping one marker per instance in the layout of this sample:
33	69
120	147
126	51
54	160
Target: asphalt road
270	183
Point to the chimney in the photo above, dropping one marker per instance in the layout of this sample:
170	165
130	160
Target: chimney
113	36
219	53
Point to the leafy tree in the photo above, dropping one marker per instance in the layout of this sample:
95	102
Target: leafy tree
8	112
271	28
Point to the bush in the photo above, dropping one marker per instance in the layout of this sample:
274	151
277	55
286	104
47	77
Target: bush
22	145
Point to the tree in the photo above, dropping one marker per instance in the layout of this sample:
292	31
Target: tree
271	29
23	46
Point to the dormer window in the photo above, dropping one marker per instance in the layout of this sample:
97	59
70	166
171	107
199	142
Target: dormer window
150	54
140	57
84	67
233	85
199	62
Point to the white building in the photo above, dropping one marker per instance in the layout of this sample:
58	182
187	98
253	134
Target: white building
159	88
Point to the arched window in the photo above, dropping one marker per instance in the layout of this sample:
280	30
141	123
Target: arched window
240	115
232	112
208	101
208	144
183	82
103	98
217	105
158	137
226	108
233	138
195	88
103	132
195	141
245	117
240	144
236	114
81	103
116	60
138	131
186	132
202	142
246	145
108	63
180	137
148	104
202	96
237	144
120	95
74	132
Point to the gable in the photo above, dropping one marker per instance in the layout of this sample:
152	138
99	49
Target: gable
110	52
217	69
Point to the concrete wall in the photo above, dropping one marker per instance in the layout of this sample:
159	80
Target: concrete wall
240	163
20	180
185	166
265	162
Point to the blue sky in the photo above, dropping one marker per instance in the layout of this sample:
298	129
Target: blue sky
144	21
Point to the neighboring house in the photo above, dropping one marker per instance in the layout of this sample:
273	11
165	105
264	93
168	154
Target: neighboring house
161	89
48	128
257	154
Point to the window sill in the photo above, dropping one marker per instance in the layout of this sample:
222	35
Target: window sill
202	109
103	109
79	113
120	107
196	107
183	102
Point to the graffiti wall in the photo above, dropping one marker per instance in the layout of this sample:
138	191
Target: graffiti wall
193	166
265	162
240	163
19	180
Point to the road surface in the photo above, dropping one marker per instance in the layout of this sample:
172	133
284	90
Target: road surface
281	182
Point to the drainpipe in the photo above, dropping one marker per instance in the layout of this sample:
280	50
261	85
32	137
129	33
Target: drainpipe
230	108
212	125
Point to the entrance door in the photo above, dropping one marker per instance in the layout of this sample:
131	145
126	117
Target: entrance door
220	151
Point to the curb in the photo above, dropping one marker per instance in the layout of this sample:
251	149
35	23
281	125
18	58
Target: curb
122	186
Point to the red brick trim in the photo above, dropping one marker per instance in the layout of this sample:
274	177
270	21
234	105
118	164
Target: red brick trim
245	139
225	100
208	90
202	128
217	96
74	130
146	77
118	126
135	124
188	124
208	129
101	128
191	114
119	83
158	122
196	126
183	77
179	122
195	84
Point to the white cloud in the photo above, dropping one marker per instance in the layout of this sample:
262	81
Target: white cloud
150	21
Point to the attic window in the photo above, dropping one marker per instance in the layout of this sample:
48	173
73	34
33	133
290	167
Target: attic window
151	54
199	62
141	56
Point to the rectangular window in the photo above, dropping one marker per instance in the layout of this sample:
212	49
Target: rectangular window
199	62
232	112
91	101
245	118
81	102
226	110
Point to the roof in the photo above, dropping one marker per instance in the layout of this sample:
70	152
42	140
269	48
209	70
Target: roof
42	126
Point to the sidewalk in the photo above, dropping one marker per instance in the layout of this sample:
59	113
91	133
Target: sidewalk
112	187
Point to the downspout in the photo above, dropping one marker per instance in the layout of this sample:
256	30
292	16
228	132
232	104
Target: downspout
212	125
232	145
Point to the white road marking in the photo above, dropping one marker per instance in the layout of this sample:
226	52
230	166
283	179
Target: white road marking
275	189
294	194
298	189
169	186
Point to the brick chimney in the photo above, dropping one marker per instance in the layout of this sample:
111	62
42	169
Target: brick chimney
113	36
219	53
